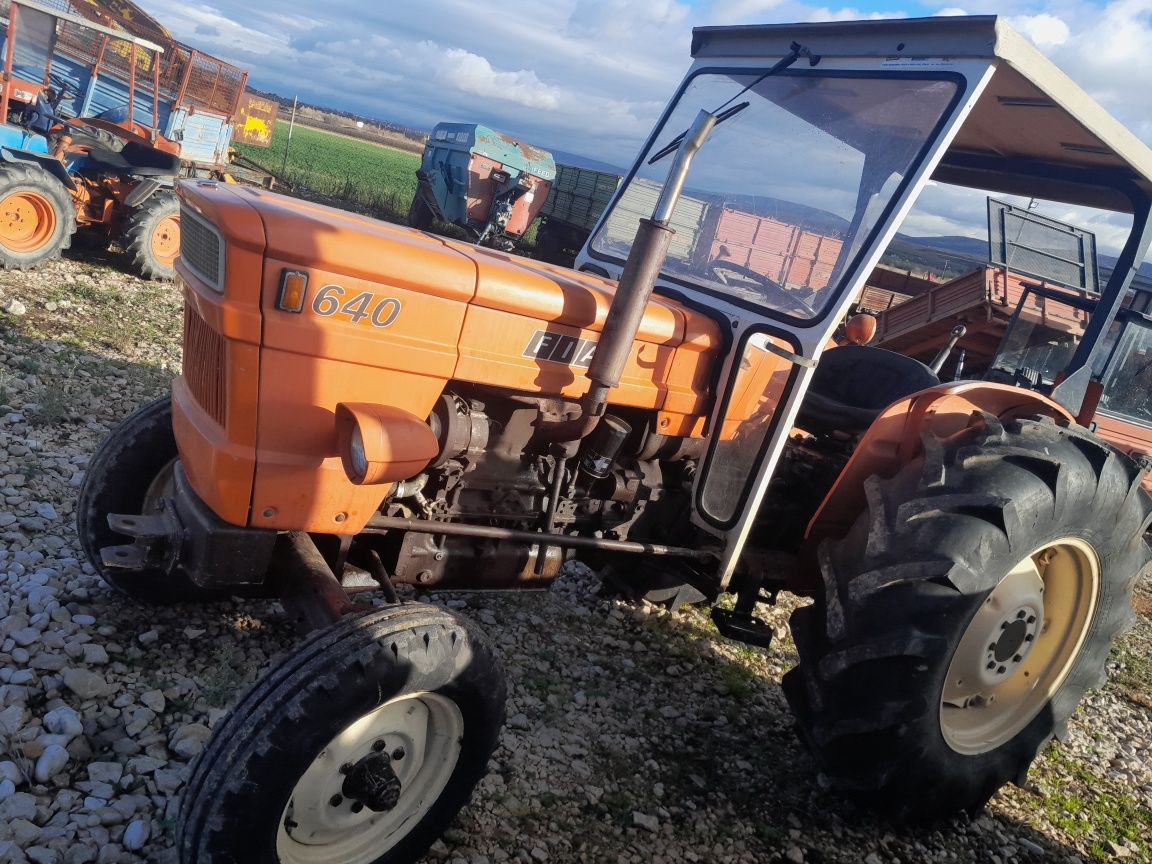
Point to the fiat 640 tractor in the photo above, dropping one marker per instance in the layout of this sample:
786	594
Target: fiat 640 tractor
365	405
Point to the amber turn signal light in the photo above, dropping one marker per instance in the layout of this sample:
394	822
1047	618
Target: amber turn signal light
293	289
382	444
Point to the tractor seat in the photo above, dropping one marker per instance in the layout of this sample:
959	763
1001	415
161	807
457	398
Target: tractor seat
137	159
853	384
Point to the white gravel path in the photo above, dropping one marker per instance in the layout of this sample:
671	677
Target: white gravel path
633	735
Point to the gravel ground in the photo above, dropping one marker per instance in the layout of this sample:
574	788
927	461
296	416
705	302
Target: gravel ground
634	735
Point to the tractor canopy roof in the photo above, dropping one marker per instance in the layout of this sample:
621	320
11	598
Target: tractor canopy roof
1033	131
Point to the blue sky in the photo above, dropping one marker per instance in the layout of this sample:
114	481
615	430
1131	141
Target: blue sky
590	76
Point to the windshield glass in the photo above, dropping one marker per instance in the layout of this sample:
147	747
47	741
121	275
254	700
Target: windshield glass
1041	341
1128	374
785	192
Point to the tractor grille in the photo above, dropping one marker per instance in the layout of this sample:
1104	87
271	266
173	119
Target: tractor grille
204	365
201	248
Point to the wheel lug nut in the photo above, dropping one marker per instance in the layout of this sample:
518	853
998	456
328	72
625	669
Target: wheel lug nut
397	754
377	746
1003	625
992	647
1017	658
1021	614
1031	619
336	800
357	807
1001	670
991	665
346	768
1028	638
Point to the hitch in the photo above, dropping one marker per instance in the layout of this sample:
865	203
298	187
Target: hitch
156	540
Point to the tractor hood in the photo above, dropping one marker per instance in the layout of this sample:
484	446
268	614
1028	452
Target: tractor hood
455	311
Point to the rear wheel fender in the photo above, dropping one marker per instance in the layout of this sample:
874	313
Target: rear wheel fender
898	435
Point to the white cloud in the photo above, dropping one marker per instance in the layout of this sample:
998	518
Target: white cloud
1044	30
849	14
741	11
471	73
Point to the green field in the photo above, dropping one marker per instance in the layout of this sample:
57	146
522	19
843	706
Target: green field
364	176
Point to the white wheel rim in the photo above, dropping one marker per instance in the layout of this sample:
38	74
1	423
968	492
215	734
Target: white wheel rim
319	825
1020	646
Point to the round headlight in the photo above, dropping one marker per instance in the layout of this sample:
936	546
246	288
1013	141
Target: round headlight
356	446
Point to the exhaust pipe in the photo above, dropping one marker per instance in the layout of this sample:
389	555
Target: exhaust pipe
641	270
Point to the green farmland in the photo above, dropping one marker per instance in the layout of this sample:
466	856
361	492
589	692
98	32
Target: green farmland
364	176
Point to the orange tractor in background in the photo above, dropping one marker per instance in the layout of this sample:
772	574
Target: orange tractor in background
364	405
101	111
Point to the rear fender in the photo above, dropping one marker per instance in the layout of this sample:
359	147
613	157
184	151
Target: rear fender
48	163
896	438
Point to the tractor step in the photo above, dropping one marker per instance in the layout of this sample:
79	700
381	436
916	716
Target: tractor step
669	583
742	627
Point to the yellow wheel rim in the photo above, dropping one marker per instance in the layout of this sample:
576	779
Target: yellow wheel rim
1020	646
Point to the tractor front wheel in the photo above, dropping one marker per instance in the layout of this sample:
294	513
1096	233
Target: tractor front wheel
37	217
130	473
966	613
152	237
360	747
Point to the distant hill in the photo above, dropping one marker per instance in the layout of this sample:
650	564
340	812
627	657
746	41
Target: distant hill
954	254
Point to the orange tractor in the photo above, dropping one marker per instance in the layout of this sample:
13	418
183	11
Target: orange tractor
364	405
108	176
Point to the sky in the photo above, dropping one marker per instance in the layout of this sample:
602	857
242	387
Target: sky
591	76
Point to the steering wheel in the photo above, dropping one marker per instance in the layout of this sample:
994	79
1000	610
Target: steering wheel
756	286
61	87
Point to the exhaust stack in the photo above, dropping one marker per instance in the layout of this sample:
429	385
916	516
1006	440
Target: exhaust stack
641	270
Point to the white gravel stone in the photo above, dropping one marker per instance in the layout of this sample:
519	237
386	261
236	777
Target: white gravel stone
10	771
646	821
94	655
86	684
136	835
51	762
64	721
154	700
105	772
189	740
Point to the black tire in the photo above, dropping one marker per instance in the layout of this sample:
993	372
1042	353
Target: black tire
419	214
242	783
119	478
37	217
906	585
148	233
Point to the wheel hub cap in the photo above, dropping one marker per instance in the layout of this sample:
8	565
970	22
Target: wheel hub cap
373	783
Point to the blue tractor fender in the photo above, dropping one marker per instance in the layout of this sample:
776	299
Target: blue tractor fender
53	166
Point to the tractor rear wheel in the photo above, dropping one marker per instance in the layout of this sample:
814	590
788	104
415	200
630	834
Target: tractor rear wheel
130	473
37	217
360	747
152	237
966	613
